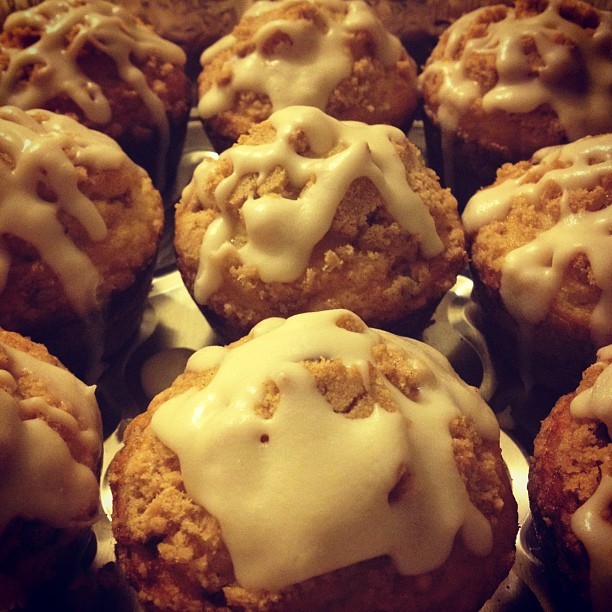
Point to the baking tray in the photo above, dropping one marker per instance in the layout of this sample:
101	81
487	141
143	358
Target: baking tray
173	328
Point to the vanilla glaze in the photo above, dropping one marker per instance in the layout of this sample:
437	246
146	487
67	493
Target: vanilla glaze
533	273
575	80
307	490
66	27
320	45
40	479
592	523
43	151
282	232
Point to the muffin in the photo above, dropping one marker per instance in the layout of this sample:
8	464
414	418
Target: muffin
309	213
331	54
570	490
503	83
80	225
50	451
191	24
541	254
408	503
95	63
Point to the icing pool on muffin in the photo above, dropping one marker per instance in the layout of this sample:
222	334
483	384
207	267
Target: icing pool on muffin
293	490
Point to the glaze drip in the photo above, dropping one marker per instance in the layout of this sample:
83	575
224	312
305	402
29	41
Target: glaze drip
573	78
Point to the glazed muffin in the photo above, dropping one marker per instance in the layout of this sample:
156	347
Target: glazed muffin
309	213
541	256
503	83
316	464
570	490
191	24
331	54
80	225
95	63
50	452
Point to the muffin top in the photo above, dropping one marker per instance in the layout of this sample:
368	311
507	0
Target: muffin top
50	439
305	199
541	235
313	444
334	55
93	61
78	218
544	65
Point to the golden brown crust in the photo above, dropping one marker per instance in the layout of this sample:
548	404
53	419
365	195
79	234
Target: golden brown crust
182	563
569	456
373	93
366	263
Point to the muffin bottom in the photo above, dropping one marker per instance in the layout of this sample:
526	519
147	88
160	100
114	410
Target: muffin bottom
85	345
462	166
552	354
37	562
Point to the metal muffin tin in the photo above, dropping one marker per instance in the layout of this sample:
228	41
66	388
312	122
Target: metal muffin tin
173	328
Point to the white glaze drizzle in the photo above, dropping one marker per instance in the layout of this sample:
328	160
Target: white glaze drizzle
106	26
282	232
38	143
519	89
39	479
321	49
254	474
533	273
